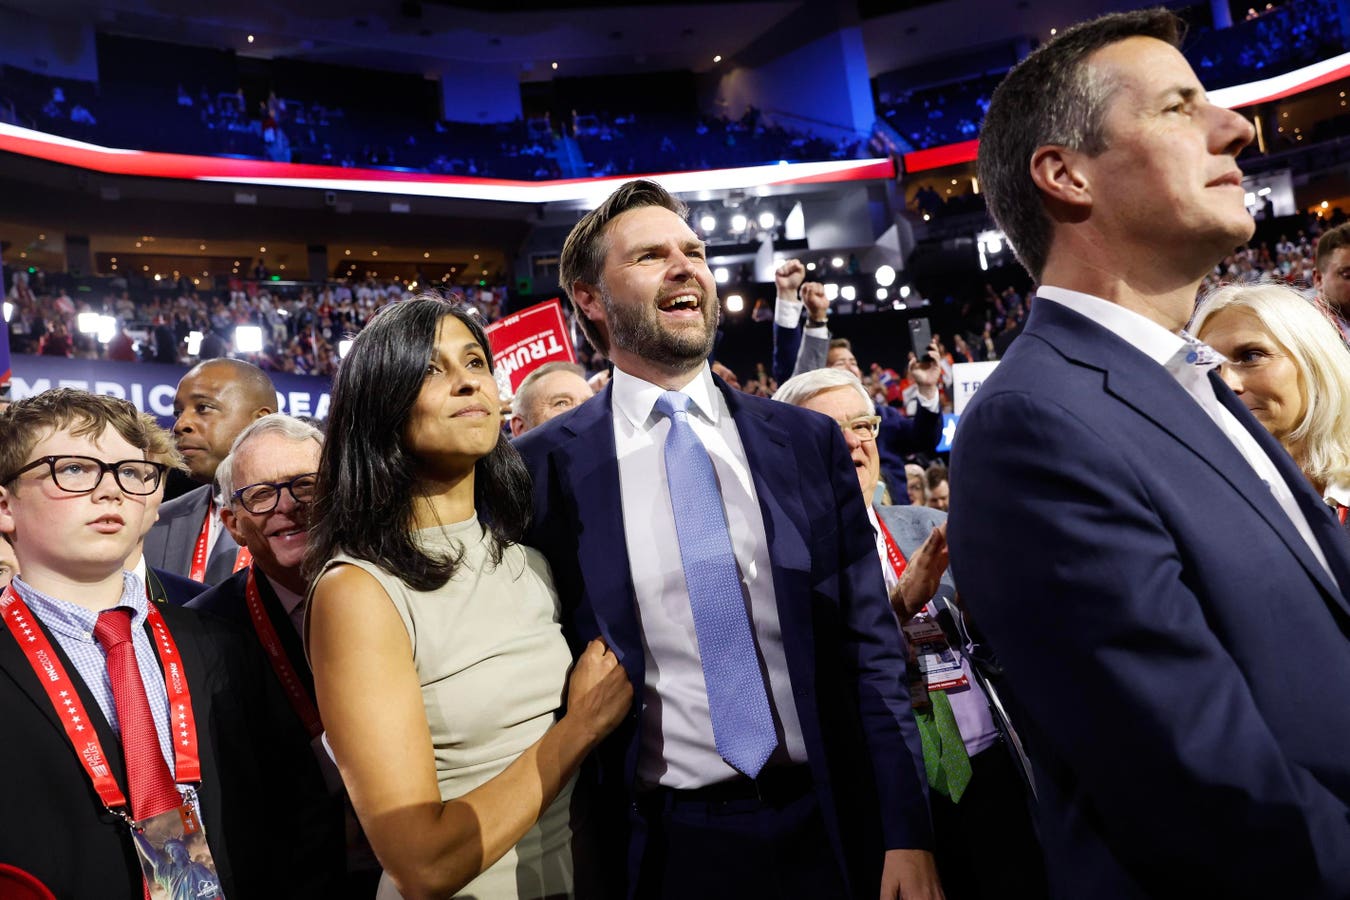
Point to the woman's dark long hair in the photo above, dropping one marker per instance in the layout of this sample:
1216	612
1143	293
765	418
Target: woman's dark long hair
367	479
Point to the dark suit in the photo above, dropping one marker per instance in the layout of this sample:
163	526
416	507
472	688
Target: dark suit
172	539
1177	658
165	587
842	647
227	601
272	827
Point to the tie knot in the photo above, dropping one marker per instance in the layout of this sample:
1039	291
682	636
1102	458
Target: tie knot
672	402
113	627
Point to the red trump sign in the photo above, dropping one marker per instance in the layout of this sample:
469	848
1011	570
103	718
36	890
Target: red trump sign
524	341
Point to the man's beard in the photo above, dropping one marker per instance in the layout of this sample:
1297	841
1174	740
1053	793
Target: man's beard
638	330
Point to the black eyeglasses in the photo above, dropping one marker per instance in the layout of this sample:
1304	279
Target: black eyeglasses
263	497
81	474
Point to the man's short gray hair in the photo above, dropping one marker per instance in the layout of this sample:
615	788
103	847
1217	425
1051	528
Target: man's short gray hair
798	389
274	423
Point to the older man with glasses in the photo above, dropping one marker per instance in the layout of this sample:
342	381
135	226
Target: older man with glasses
985	844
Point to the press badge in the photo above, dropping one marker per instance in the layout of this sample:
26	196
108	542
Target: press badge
939	666
175	858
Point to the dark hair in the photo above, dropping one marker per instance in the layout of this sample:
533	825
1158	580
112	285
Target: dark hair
936	474
1052	98
1331	240
583	253
365	493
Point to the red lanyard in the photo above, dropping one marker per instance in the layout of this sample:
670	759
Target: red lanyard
1340	514
79	727
892	550
267	634
199	552
198	571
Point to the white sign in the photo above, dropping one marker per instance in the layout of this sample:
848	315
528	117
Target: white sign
966	380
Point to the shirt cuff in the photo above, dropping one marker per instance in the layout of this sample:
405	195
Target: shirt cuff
787	312
932	405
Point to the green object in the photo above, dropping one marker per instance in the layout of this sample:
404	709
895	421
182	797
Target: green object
944	753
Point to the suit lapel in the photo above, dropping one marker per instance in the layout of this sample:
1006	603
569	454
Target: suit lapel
1326	529
15	666
1154	394
773	467
588	464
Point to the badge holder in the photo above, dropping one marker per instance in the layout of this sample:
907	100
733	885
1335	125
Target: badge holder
175	857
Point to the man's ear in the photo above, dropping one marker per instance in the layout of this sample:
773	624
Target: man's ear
1058	172
588	300
517	426
231	523
7	525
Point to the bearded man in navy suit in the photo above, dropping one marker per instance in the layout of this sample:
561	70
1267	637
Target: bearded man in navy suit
1165	592
835	805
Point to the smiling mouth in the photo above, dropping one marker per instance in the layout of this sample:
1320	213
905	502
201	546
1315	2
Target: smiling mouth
678	303
289	533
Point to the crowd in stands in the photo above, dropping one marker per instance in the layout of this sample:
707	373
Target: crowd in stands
1270	41
630	144
301	327
215	121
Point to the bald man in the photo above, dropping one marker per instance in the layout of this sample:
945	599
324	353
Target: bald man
216	400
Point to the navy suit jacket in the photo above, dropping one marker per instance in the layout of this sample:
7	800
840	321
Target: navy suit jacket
166	587
1177	659
843	649
227	600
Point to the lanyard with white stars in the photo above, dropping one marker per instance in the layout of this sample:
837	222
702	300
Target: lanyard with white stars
66	701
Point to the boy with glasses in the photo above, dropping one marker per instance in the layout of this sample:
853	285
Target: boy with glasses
128	725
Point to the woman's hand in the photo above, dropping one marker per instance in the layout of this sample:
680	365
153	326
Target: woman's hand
599	693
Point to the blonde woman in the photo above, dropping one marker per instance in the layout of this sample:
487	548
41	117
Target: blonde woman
1289	366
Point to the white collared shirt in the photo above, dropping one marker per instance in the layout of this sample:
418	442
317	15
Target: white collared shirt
1162	346
677	748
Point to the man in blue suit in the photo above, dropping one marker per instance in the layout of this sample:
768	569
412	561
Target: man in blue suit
1166	594
723	552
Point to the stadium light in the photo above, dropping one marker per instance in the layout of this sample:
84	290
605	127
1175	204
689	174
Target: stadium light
107	329
721	275
885	276
767	220
848	292
738	223
881	293
9	310
708	223
904	291
248	339
831	291
735	303
837	262
194	343
87	323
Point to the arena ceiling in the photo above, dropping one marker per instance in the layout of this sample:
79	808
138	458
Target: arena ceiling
584	37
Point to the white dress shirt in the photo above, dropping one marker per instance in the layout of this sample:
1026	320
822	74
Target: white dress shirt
677	748
1167	350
